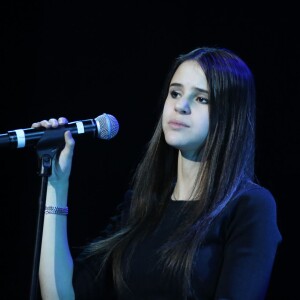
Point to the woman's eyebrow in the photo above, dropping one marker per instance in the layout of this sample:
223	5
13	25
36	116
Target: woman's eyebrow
195	88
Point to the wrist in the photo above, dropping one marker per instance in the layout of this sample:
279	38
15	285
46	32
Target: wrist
57	194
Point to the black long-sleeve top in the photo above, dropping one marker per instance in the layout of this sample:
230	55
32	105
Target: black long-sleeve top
234	263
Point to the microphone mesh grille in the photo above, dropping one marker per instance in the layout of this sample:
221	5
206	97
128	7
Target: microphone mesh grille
109	126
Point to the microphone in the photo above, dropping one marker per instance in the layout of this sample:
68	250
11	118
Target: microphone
104	127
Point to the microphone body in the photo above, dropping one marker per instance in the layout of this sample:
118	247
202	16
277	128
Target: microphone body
104	127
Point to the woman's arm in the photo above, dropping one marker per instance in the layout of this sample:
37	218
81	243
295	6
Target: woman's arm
56	263
253	240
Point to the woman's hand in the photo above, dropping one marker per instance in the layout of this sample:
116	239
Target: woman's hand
62	163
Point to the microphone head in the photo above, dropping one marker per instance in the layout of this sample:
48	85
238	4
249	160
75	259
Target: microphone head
107	125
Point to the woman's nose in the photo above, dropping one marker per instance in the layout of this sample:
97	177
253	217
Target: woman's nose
182	106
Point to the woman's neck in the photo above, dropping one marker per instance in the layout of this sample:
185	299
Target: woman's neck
187	171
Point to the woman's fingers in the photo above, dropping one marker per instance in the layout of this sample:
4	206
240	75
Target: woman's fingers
69	140
50	123
62	121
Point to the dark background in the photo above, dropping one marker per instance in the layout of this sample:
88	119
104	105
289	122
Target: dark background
81	59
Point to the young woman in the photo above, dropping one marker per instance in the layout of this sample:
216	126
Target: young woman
195	224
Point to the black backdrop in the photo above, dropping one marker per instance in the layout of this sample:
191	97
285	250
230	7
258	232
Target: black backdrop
80	60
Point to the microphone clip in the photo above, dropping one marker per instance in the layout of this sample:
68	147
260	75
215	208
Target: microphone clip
47	147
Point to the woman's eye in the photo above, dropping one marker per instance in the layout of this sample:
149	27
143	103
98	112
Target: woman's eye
174	94
202	100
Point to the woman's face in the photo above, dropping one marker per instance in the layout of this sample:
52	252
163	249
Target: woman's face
186	110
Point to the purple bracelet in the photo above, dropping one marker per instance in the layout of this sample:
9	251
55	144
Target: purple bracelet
56	210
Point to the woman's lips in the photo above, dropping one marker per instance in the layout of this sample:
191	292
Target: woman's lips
177	124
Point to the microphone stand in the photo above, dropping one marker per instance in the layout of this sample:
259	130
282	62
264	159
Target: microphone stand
47	147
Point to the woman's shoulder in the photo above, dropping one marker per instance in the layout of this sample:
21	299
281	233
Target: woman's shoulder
256	195
254	204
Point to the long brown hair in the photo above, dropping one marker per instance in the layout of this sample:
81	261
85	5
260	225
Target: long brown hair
228	157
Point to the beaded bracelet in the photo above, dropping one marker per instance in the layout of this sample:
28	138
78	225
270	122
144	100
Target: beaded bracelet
56	210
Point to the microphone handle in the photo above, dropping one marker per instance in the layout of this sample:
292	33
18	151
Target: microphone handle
21	138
